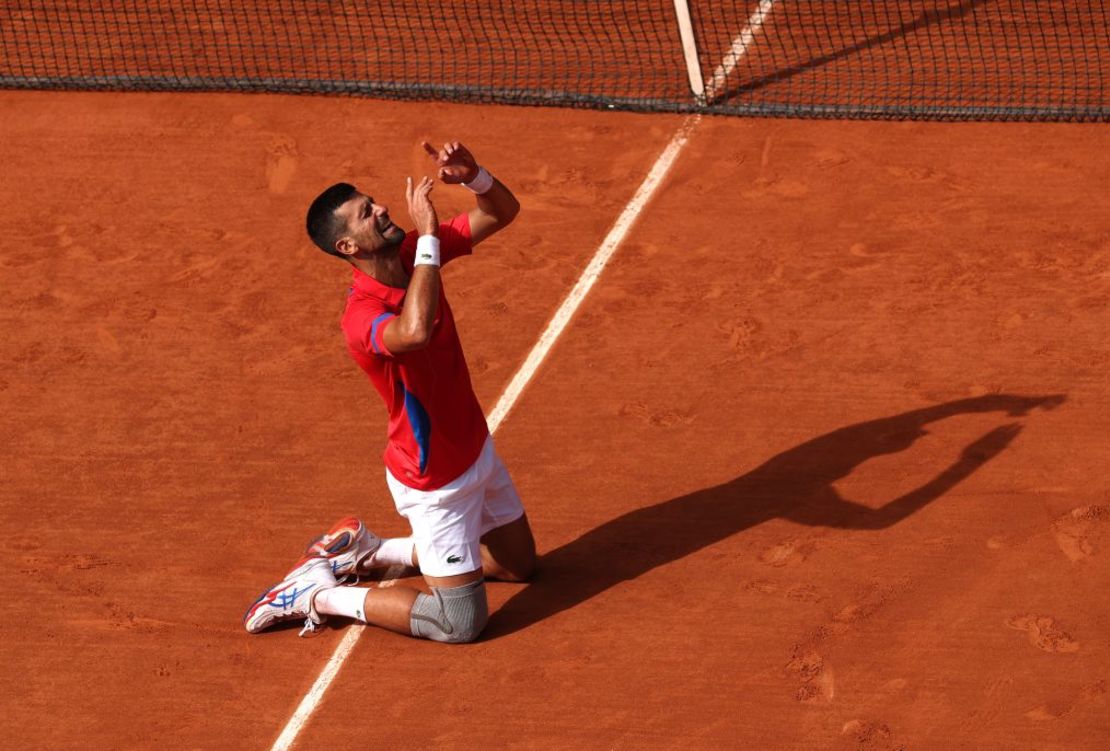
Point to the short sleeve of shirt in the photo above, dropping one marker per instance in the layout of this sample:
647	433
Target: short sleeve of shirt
364	328
375	333
454	241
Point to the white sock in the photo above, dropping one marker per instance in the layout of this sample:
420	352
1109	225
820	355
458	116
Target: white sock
396	551
345	601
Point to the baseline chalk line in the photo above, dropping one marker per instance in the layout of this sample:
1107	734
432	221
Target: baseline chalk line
590	275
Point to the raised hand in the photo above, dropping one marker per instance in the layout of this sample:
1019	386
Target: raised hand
421	210
1020	405
454	163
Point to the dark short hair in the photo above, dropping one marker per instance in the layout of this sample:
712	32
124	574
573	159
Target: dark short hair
322	223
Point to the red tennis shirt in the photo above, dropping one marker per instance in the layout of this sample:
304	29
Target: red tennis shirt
436	426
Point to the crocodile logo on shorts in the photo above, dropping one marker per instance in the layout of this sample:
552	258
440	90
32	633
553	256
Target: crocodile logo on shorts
454	559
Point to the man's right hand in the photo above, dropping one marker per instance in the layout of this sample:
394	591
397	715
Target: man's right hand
421	210
414	327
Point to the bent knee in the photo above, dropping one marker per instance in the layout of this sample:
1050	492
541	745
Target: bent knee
465	633
453	615
464	628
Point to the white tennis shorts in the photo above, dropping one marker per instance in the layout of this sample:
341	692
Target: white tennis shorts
448	523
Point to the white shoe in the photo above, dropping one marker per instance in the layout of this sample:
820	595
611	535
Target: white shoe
293	598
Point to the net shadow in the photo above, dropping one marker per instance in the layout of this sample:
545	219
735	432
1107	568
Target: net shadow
796	485
926	19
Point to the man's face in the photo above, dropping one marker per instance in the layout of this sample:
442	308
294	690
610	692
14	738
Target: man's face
369	227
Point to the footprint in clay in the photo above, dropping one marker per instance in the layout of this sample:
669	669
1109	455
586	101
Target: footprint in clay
1044	633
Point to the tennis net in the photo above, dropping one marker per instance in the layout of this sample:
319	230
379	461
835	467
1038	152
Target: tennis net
931	59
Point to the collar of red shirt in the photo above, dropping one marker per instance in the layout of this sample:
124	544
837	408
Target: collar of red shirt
368	285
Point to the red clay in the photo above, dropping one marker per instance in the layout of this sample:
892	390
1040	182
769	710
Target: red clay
811	315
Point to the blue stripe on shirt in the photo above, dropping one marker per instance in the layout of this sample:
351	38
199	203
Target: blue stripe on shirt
374	330
421	425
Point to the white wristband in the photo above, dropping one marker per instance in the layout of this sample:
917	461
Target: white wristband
427	251
481	183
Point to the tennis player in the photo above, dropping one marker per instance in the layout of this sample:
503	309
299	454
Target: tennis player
467	520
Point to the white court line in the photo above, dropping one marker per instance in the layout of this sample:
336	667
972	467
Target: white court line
327	675
512	392
739	48
608	246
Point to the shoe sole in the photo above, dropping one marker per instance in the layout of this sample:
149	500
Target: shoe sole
346	532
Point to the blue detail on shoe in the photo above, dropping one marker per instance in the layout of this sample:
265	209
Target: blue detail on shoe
286	599
277	598
421	427
374	330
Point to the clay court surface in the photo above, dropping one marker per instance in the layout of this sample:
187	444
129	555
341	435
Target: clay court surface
819	464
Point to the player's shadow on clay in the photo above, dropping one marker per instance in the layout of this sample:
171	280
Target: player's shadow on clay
796	484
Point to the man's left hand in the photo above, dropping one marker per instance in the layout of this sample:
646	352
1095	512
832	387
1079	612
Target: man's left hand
454	163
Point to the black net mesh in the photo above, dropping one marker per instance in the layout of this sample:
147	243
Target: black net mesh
928	59
939	59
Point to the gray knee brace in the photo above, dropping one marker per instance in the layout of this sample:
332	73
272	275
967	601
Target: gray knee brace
455	614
